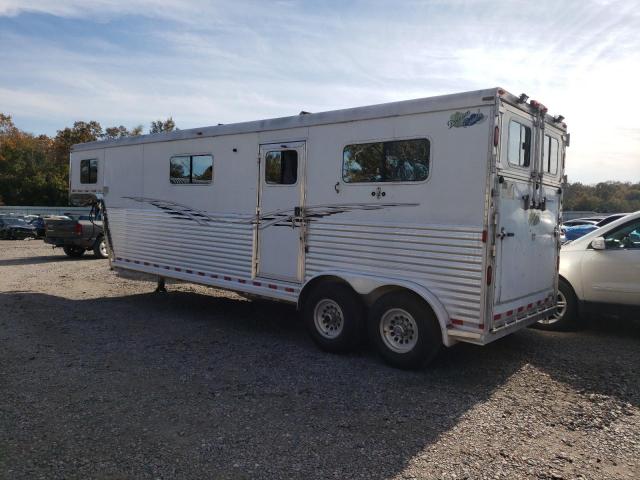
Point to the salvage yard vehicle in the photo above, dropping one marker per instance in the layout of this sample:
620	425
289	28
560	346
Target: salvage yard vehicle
15	228
77	235
423	222
39	224
599	272
577	231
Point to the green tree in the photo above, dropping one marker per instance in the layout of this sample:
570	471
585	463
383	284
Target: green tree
121	131
160	126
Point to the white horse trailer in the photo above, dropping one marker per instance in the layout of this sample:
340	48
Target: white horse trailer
424	222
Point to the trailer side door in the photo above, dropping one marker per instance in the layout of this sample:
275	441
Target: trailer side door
280	235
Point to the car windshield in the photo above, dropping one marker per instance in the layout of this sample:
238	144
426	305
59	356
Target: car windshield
609	219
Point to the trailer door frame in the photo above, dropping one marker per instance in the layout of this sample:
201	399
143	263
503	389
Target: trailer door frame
280	236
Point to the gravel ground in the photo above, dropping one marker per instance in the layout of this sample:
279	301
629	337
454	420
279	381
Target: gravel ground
101	378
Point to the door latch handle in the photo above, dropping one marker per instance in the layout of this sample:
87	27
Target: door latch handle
503	234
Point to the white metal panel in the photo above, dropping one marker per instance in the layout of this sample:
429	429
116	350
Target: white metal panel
222	245
446	259
75	186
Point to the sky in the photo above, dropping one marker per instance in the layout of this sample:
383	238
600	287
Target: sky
203	63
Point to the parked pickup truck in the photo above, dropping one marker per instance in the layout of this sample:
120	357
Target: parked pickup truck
76	235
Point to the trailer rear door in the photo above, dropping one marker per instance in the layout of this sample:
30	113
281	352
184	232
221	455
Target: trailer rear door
527	216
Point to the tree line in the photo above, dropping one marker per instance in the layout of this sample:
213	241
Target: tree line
605	197
34	169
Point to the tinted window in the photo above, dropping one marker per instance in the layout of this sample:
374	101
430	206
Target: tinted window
201	169
281	167
519	150
191	169
394	161
550	158
89	171
626	236
608	220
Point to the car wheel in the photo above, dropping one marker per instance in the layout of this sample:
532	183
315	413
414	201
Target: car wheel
566	316
334	316
100	248
404	330
73	252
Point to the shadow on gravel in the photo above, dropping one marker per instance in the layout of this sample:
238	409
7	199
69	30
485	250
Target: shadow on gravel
602	358
47	259
190	385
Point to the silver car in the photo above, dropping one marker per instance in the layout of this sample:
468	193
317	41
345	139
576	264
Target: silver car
601	269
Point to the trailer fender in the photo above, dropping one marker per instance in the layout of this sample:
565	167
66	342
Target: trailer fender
365	284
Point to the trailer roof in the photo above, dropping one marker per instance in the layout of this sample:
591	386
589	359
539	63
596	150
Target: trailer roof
471	99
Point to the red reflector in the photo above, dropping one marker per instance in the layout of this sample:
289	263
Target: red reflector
484	236
455	321
496	136
78	229
489	274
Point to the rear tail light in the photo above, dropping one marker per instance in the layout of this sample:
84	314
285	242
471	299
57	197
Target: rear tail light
78	229
489	274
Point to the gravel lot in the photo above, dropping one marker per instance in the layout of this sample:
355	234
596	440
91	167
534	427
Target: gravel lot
101	378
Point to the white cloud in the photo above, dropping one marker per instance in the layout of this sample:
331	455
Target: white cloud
209	62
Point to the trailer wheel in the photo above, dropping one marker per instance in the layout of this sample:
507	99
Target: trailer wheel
566	316
334	316
100	248
73	252
404	330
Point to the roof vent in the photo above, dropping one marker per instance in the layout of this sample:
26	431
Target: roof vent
304	113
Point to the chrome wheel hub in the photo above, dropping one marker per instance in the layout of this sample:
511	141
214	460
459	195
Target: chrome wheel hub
561	308
399	330
328	318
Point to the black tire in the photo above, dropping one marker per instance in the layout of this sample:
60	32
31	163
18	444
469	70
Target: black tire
73	252
418	339
100	248
562	321
334	315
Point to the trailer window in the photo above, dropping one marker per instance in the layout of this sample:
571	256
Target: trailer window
394	161
519	152
281	167
191	169
550	154
89	171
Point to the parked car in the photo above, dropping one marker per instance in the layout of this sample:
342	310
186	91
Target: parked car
571	233
600	269
77	235
580	221
39	224
15	228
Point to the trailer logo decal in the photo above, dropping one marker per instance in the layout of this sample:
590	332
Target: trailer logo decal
465	119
